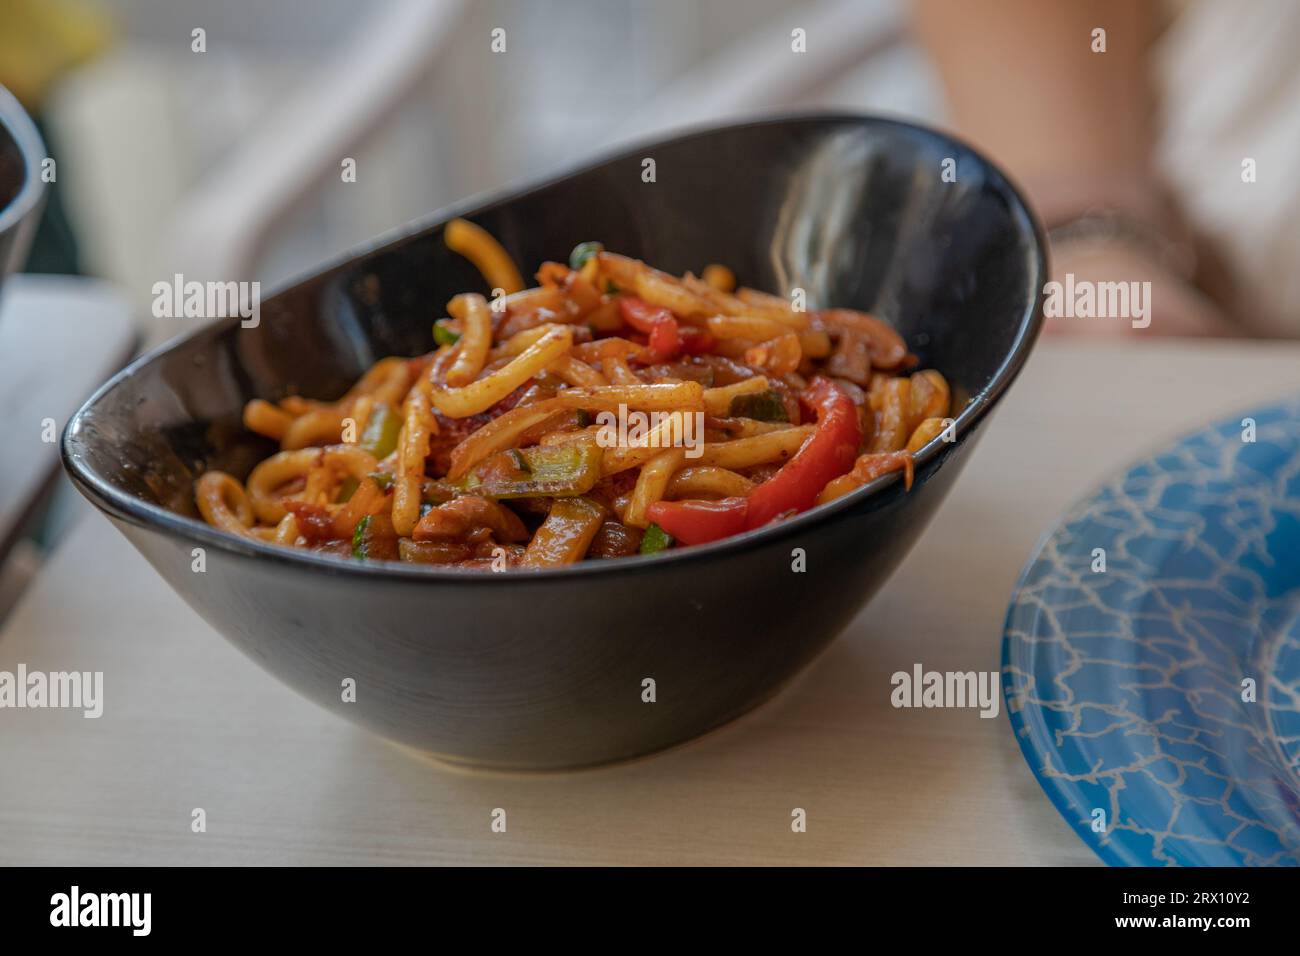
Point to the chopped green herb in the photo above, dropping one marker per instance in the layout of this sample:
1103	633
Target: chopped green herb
443	334
382	478
582	252
655	539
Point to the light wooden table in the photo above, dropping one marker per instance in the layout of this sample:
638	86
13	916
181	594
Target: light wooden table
188	722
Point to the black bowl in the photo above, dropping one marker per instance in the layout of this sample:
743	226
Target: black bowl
545	669
21	188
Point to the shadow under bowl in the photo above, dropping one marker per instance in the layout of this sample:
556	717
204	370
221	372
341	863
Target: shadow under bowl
544	669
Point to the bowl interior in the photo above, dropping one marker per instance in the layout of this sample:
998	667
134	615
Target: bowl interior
857	212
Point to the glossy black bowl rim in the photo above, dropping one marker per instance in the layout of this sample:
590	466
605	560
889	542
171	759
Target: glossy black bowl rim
114	501
20	126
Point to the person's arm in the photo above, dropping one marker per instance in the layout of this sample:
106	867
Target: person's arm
1024	85
1075	128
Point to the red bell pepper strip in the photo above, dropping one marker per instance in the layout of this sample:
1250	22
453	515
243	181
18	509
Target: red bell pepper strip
695	521
694	341
659	326
827	454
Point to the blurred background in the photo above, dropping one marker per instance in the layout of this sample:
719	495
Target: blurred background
221	158
170	157
155	138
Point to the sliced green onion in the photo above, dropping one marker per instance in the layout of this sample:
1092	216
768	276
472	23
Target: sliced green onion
655	539
359	547
347	488
582	252
762	406
520	462
443	334
382	430
553	471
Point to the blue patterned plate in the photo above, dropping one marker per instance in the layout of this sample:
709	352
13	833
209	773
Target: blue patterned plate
1158	700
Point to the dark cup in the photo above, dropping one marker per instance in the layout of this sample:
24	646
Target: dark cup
21	188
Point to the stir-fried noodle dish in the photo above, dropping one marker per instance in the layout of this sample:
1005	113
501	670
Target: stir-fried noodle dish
610	410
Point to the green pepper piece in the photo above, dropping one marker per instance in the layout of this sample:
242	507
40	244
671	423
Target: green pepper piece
382	478
360	548
655	539
382	429
761	406
582	252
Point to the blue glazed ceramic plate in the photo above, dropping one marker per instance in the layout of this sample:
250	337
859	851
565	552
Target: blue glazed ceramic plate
1129	689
